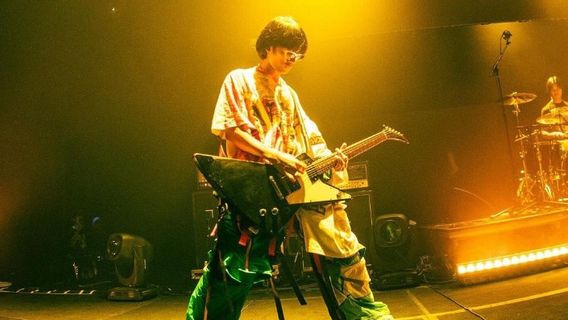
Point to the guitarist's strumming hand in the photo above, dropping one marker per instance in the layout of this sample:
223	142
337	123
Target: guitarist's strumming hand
289	161
245	141
341	158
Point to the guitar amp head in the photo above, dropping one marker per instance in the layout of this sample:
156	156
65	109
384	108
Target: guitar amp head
358	176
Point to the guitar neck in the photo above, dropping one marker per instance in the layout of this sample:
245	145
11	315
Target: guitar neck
322	165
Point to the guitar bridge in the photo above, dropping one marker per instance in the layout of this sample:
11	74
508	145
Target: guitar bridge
282	185
279	193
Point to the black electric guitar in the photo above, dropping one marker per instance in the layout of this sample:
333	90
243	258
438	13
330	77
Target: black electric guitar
266	195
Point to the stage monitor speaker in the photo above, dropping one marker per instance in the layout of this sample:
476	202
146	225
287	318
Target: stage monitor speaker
204	218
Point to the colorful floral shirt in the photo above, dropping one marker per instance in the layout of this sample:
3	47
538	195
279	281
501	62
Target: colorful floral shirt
270	111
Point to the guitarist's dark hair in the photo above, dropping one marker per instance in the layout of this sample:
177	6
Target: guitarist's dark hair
282	32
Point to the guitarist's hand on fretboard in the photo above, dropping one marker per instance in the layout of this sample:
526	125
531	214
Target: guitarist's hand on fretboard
342	158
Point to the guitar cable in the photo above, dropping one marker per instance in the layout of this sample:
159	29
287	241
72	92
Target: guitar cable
459	304
423	267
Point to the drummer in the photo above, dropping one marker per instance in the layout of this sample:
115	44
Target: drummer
554	89
555	111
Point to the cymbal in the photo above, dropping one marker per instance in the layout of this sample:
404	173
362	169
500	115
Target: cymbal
518	98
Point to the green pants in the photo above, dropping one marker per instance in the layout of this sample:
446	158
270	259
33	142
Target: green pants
352	291
235	264
235	268
225	301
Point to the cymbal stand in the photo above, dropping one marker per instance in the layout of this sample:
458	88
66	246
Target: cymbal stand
526	184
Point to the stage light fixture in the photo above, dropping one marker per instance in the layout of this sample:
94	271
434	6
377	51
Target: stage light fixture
390	230
131	256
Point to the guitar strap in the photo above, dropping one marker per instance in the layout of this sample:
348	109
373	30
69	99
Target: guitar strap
277	300
261	110
222	210
300	114
326	287
221	151
291	228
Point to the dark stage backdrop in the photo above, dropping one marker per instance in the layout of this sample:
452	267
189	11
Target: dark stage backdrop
104	102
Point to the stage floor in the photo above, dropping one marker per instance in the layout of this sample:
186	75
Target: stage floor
537	296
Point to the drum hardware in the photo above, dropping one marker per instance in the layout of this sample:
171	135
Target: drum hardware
554	123
548	174
524	136
526	184
543	153
547	194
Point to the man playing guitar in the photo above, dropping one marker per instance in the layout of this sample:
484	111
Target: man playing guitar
260	118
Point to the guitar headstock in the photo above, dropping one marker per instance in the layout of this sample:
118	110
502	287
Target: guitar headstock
392	134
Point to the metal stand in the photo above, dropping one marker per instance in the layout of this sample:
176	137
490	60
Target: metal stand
495	73
546	192
525	189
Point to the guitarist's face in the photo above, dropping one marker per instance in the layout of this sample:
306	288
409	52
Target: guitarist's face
281	59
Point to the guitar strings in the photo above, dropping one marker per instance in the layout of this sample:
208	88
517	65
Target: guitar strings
321	165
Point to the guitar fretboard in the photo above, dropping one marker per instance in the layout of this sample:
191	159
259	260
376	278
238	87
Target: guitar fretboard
322	165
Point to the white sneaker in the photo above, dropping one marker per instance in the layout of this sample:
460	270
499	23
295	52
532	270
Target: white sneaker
4	284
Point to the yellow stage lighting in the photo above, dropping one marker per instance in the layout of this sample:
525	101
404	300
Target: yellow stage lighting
510	261
514	242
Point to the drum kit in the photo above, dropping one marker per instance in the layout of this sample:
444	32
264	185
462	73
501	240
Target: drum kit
543	153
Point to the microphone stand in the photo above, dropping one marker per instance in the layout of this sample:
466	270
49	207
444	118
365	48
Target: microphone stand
495	73
495	69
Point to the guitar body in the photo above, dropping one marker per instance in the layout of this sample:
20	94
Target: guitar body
266	196
315	192
248	187
261	192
